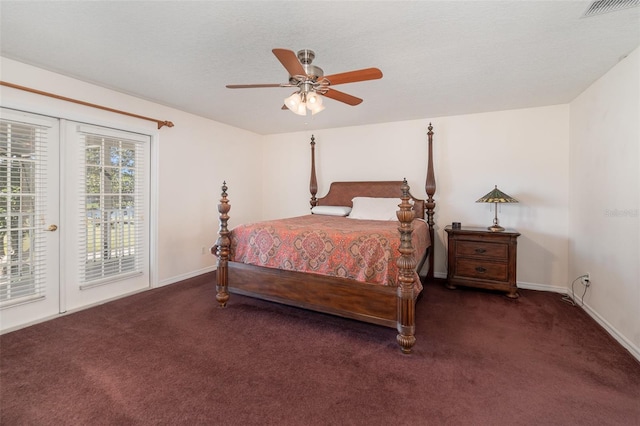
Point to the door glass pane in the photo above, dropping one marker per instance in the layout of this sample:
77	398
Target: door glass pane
112	201
22	153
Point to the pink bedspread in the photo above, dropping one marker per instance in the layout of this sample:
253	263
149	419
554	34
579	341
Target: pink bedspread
362	250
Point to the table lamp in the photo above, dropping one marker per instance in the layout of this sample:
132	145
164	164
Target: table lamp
496	196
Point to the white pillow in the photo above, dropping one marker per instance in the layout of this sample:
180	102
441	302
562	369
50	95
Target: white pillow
331	210
369	208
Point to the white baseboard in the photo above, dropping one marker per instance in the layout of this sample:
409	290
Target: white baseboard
186	276
542	287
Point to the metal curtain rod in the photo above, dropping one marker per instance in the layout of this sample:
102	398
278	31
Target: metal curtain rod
161	123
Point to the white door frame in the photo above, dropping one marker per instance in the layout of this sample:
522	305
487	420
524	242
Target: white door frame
26	102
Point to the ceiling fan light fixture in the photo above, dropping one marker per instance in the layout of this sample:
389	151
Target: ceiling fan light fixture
299	102
312	84
293	102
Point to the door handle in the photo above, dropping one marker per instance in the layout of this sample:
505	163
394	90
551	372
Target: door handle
52	228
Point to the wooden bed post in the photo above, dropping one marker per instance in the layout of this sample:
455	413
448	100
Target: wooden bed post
430	187
313	184
221	250
407	265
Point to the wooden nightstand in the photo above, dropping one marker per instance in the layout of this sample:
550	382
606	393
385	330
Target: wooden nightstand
480	258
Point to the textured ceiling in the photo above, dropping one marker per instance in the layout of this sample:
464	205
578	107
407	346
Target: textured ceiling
438	58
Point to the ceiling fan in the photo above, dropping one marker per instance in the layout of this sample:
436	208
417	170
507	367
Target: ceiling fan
311	83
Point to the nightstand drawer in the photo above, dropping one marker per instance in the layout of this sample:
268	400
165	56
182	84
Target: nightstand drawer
470	268
481	249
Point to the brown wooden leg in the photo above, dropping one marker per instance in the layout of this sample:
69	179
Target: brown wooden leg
513	293
406	319
222	285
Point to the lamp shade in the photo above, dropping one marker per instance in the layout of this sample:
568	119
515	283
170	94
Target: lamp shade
293	101
496	196
301	109
313	100
317	109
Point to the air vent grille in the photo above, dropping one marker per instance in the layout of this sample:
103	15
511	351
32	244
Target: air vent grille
599	7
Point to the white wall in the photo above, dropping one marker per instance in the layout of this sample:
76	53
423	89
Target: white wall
605	198
525	152
194	157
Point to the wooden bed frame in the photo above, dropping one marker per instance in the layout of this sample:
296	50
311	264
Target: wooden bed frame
382	305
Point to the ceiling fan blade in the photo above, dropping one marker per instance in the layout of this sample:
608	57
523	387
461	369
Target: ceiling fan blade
342	97
290	61
354	76
251	86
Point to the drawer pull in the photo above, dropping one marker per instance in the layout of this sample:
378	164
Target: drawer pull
480	269
480	250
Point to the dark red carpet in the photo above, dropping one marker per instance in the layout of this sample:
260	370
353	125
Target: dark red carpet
170	356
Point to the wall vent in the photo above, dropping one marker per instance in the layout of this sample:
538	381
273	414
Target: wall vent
599	7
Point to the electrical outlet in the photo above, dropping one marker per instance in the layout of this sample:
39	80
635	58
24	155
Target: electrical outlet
586	279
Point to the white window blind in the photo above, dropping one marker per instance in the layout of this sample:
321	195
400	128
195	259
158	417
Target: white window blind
23	189
112	225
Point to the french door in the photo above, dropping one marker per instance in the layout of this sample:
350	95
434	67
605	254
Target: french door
105	214
29	218
75	217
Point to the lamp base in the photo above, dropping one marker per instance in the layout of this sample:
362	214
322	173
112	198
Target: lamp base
495	227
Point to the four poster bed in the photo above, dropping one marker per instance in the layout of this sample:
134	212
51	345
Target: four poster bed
355	266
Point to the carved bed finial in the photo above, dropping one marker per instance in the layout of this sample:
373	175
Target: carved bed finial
406	279
313	184
221	250
430	205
